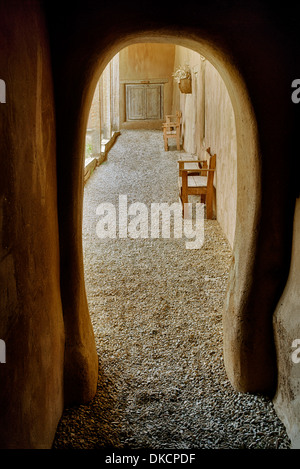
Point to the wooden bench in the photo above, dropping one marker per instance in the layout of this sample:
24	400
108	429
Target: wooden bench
171	129
199	180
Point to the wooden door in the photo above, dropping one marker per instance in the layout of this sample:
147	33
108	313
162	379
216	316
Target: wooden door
144	101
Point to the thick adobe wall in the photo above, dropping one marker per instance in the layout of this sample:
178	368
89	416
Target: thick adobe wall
248	50
287	335
31	324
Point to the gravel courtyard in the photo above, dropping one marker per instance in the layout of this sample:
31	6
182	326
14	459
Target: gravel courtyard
156	309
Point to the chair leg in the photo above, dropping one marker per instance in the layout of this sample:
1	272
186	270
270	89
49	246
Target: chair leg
166	144
209	206
184	201
184	191
178	140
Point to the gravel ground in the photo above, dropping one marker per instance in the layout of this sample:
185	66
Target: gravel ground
156	309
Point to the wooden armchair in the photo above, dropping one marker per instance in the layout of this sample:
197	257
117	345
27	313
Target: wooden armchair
199	181
171	129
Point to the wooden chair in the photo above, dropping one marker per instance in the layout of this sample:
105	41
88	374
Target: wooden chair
171	129
199	181
192	163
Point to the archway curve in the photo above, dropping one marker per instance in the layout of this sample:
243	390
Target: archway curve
248	336
247	207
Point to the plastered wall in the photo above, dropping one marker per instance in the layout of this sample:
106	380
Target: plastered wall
31	318
146	61
42	140
286	323
208	121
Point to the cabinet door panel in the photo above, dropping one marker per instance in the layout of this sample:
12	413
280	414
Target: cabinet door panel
135	102
153	102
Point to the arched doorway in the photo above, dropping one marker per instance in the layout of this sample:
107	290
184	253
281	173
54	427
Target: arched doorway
255	41
116	285
248	336
247	206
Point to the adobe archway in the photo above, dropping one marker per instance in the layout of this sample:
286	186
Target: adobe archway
247	204
261	260
257	43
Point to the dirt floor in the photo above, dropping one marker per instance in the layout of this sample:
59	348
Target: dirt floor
156	309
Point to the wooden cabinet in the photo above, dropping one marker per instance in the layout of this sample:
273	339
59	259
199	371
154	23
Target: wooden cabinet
144	101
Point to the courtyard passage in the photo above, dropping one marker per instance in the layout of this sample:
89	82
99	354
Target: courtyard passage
156	310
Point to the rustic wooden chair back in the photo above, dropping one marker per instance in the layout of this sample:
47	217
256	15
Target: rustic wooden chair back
198	185
171	129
